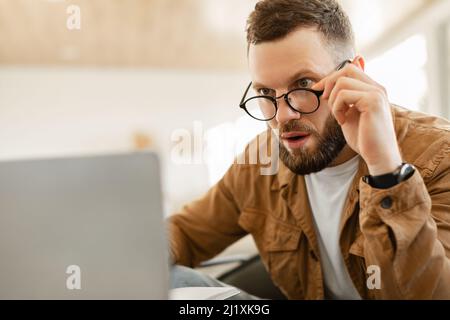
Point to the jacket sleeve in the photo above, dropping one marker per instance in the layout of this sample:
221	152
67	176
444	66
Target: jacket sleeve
407	234
207	226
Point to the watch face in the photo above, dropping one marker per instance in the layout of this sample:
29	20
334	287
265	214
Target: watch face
406	172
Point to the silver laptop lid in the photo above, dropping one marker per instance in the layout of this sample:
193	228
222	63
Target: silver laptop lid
82	228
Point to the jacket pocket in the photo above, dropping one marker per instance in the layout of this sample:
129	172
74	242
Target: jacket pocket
281	237
252	221
282	243
273	235
278	243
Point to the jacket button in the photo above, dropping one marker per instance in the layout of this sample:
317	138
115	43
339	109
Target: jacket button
386	203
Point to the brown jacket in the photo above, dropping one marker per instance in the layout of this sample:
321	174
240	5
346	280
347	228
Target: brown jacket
409	241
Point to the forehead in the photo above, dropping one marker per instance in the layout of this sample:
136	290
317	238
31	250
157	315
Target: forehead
274	63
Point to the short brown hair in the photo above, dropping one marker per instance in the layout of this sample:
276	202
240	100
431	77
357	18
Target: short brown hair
274	19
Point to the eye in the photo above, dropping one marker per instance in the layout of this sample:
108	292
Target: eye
305	83
265	92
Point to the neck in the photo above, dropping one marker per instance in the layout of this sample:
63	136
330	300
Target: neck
346	154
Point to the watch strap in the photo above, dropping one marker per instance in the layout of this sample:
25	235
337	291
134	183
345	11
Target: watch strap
389	180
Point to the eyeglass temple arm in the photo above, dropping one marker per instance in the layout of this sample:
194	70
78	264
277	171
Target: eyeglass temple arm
245	94
342	65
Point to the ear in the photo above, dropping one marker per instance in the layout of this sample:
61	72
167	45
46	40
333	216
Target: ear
360	62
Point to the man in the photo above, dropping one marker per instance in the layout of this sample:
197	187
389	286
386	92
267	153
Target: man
363	188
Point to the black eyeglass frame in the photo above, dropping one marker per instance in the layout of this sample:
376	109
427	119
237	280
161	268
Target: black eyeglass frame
318	94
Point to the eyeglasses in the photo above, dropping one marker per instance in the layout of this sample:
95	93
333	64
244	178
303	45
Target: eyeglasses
301	100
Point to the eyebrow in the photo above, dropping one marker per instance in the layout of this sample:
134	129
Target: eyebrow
298	75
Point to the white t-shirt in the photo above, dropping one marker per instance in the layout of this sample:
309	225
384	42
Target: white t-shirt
327	192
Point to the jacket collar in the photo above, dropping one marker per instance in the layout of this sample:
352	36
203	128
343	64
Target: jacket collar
283	178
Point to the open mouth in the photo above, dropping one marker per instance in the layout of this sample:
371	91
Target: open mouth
295	139
294	136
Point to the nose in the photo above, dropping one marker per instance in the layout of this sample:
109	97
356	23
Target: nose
285	113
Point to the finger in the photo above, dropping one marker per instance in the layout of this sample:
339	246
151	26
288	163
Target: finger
328	80
345	100
349	71
319	86
346	83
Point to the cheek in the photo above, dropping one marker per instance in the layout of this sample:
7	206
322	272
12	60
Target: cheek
319	119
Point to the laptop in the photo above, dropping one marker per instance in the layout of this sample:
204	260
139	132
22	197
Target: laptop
83	228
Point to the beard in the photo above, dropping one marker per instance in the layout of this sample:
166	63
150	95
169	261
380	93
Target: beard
303	161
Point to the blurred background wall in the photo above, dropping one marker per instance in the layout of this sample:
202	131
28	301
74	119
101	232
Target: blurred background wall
135	73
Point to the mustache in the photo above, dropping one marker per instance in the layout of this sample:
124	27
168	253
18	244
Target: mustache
294	125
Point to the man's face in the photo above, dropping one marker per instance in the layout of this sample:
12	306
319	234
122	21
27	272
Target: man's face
308	143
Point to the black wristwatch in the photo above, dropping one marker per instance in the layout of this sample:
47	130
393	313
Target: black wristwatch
386	181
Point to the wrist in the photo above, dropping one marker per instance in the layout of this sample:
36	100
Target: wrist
385	166
384	169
